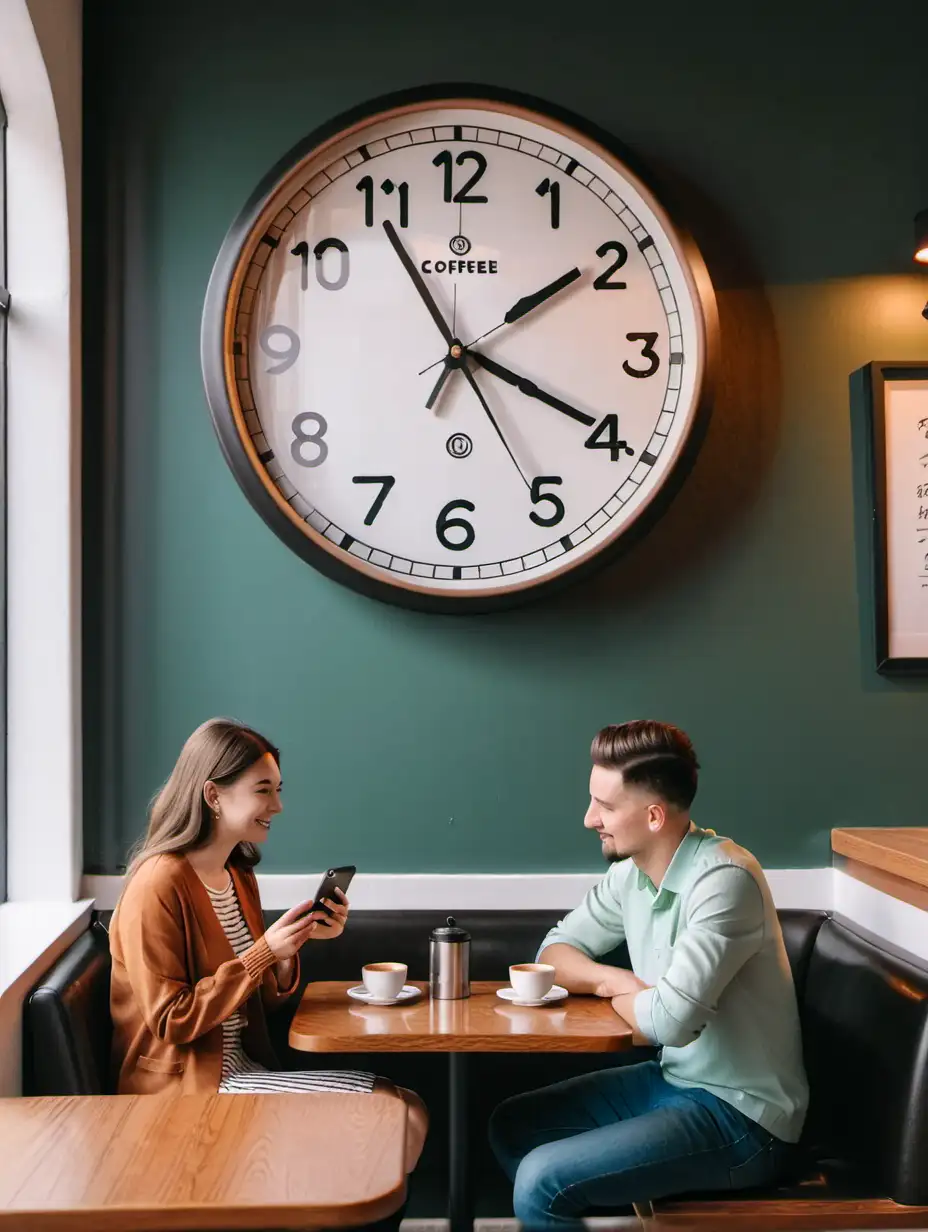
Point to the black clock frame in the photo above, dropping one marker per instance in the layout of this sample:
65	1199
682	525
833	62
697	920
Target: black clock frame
213	359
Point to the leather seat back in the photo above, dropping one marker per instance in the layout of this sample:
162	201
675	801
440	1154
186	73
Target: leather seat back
865	1033
67	1028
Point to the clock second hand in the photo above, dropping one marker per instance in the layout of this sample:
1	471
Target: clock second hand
435	313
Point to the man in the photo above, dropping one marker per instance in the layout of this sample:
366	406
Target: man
710	985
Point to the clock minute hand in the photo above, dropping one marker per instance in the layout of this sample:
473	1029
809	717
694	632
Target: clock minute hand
530	389
424	294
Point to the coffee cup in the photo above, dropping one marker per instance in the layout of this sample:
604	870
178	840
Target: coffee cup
384	980
531	981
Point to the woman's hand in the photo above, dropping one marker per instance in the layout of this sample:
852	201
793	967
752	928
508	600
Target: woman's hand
287	934
331	926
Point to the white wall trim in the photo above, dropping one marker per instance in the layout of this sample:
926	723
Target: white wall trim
791	887
40	67
900	924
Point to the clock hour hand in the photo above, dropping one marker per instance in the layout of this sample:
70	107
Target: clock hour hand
530	389
418	282
528	303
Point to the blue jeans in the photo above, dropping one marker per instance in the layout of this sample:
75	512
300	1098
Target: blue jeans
624	1135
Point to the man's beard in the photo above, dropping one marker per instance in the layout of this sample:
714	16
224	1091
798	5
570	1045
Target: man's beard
611	853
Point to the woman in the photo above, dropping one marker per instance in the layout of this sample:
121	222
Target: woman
193	967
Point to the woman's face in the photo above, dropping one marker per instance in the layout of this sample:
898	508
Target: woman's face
247	807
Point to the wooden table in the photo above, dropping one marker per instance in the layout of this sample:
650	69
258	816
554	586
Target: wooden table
103	1163
327	1020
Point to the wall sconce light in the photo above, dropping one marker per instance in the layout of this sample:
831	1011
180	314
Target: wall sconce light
921	237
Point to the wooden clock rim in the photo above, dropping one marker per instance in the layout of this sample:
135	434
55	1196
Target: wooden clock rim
691	262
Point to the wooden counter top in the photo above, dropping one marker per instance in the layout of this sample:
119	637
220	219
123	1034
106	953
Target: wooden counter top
893	859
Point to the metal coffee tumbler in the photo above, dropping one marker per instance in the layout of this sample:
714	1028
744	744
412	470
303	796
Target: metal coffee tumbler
449	962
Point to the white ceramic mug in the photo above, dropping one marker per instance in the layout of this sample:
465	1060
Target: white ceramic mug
530	981
384	980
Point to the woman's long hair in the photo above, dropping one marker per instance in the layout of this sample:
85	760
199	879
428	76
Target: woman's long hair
219	751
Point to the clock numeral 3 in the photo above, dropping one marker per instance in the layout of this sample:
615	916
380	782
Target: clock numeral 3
610	428
647	352
301	437
366	185
462	196
287	357
330	284
552	188
537	495
443	524
386	483
603	283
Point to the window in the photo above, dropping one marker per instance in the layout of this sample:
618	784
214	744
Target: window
4	309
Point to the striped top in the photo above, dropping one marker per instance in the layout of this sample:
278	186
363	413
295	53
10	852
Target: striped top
229	913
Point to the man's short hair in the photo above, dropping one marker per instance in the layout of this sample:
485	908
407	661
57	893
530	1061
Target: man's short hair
653	755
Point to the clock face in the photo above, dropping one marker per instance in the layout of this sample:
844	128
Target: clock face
454	351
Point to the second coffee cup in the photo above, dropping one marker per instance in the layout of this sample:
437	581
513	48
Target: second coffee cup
531	981
384	980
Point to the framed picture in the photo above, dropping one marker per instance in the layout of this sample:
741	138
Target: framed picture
896	414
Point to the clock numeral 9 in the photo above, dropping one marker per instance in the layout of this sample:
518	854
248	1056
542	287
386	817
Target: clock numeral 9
366	186
463	195
443	524
537	495
344	268
286	357
301	437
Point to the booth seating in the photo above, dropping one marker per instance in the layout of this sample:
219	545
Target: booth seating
864	1157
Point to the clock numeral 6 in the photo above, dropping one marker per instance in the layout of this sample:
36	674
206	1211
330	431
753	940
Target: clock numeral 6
537	495
344	267
301	437
443	524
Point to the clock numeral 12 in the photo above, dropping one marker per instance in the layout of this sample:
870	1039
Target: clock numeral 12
463	195
366	185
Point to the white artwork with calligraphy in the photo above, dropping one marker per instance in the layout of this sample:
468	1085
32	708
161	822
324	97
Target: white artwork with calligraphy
906	404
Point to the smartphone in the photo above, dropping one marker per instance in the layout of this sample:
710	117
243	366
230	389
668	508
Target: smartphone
335	877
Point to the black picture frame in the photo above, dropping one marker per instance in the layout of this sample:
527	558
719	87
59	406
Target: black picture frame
874	377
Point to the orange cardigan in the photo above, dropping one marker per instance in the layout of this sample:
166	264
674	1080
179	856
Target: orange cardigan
176	979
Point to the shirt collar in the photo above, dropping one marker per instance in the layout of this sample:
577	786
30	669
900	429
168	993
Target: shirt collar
678	869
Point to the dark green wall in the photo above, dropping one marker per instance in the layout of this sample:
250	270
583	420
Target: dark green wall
794	139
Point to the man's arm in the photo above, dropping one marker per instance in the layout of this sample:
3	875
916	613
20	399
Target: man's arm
590	930
724	928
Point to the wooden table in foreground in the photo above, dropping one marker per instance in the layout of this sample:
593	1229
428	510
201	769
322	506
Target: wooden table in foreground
109	1163
328	1020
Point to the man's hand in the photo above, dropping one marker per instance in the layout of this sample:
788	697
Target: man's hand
617	982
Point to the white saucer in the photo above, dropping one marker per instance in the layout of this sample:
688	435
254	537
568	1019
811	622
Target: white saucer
557	993
407	993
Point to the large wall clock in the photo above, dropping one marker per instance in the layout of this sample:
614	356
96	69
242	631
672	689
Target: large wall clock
455	350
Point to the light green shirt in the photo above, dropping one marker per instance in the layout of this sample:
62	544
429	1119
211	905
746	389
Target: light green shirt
721	1003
